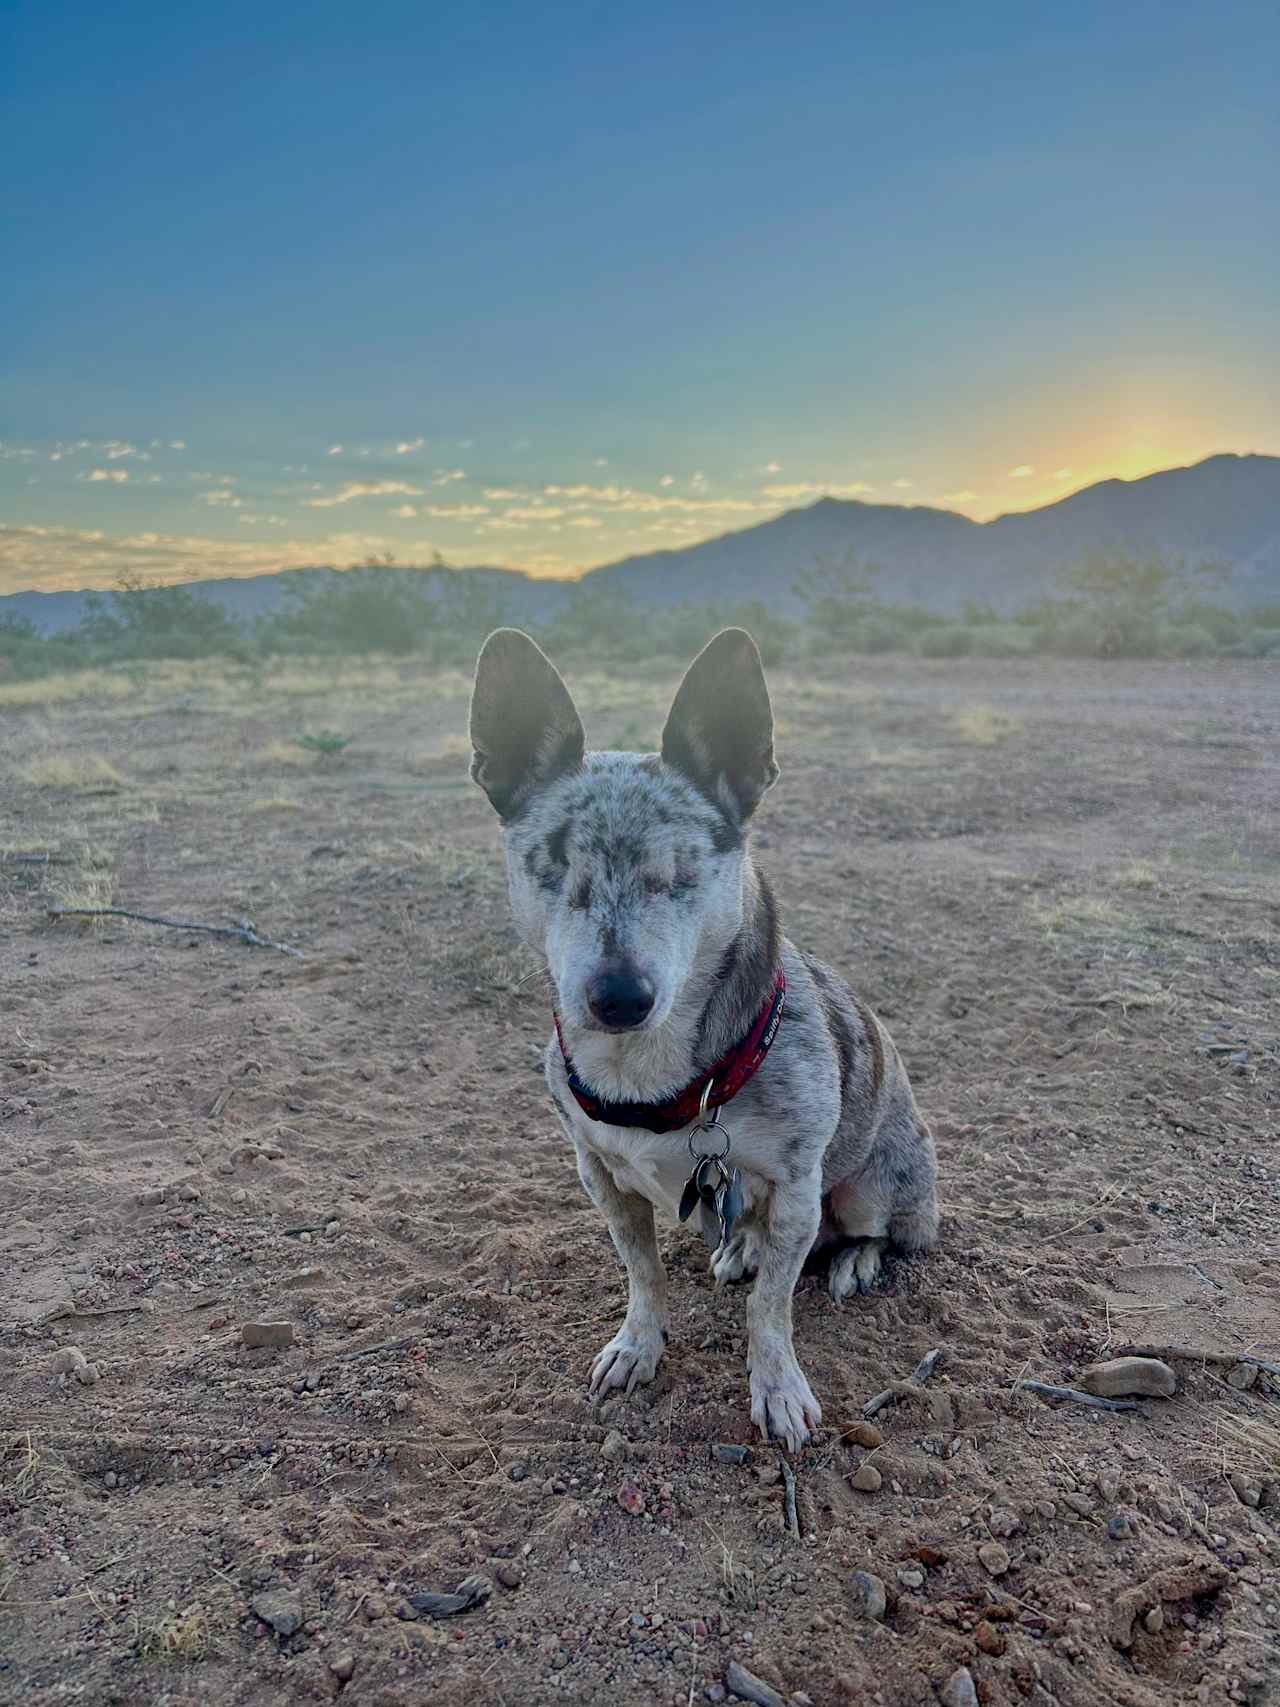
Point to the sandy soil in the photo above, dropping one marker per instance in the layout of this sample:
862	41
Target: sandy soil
1060	886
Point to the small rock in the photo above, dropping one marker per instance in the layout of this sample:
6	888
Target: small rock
69	1360
866	1479
110	1479
865	1434
1109	1485
994	1558
256	1334
189	1193
1124	1377
631	1499
1153	1621
748	1687
509	1576
959	1690
716	1692
989	1639
88	1374
614	1445
343	1667
152	1198
1122	1527
1004	1522
374	1608
332	1229
869	1596
910	1577
728	1453
1242	1376
281	1608
519	1472
1247	1492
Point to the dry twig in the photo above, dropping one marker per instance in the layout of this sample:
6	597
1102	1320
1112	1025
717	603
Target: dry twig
789	1484
243	932
919	1375
1047	1391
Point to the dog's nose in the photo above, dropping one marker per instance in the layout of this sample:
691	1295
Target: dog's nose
620	999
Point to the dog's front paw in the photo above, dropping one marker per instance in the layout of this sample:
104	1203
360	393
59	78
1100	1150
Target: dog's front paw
783	1407
628	1361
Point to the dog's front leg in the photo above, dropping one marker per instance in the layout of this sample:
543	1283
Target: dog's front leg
782	1401
632	1355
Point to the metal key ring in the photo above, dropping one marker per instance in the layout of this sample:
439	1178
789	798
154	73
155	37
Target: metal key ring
709	1123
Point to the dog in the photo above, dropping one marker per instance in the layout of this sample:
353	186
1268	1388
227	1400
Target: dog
699	1060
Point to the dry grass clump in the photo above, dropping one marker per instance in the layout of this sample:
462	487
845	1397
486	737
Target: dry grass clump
64	689
78	772
982	725
179	1635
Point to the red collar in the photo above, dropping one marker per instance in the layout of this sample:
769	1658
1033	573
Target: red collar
730	1073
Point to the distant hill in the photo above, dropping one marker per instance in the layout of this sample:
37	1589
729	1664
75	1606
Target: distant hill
1225	510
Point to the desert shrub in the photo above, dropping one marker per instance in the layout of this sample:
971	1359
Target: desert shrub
1000	640
1185	640
952	640
137	622
375	608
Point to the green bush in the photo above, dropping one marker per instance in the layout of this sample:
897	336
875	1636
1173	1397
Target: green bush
1186	640
952	641
137	622
1001	640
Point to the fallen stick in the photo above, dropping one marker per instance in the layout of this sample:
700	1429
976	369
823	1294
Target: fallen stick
789	1484
1046	1391
373	1350
242	932
919	1375
1193	1356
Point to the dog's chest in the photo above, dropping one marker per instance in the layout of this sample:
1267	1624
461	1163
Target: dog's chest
657	1166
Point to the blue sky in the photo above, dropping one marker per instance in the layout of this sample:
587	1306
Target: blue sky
543	285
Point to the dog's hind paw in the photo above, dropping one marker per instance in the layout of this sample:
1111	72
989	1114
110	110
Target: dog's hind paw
783	1407
628	1361
855	1269
739	1259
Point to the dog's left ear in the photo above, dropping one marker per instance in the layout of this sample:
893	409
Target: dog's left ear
525	728
719	731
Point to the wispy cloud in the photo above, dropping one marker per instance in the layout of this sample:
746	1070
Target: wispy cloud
965	497
504	494
667	480
901	485
817	489
221	496
405	510
1062	474
335	450
772	468
447	476
1022	471
117	476
177	444
364	489
407	446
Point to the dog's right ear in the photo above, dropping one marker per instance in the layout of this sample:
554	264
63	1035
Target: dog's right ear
525	728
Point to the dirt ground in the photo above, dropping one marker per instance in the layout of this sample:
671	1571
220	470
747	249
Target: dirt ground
1058	883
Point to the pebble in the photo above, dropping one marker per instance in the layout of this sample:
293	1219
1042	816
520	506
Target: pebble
1247	1492
1122	1527
281	1608
614	1445
631	1499
959	1690
1242	1376
1109	1485
994	1558
989	1639
110	1479
1153	1621
509	1576
870	1595
189	1193
152	1198
277	1334
518	1472
1124	1377
88	1374
866	1479
728	1453
69	1360
865	1434
910	1577
716	1692
748	1687
1004	1522
374	1608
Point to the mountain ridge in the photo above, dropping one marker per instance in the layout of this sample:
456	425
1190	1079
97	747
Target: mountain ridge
1224	509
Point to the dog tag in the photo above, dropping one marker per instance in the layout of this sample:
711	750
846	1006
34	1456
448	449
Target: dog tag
690	1197
729	1204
